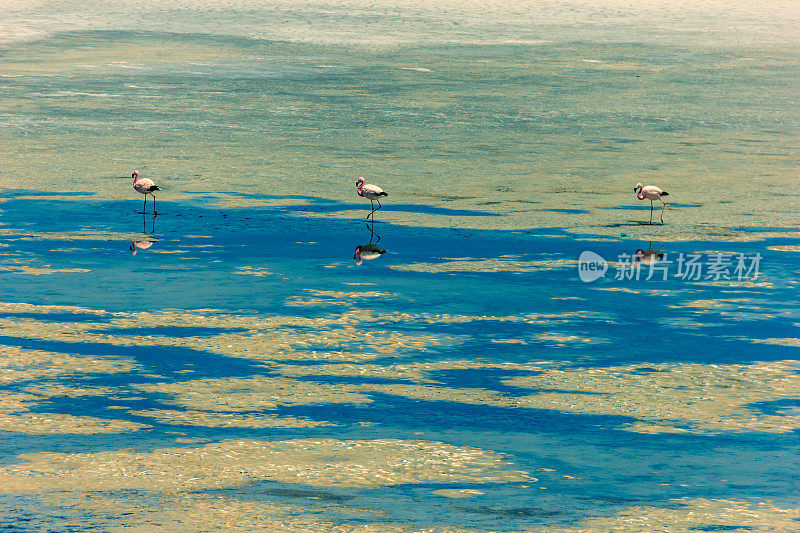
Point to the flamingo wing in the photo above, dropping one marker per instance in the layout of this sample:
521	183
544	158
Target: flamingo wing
145	185
372	190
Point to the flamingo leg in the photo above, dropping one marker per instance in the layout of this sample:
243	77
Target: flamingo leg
372	234
651	211
379	206
145	204
372	204
154	204
662	210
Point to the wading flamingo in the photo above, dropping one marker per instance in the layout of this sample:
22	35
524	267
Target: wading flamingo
652	193
145	186
371	193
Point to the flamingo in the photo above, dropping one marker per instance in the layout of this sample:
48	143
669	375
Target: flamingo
652	193
145	186
367	252
371	193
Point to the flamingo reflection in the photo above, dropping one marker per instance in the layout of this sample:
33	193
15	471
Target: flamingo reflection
368	252
140	245
649	256
147	236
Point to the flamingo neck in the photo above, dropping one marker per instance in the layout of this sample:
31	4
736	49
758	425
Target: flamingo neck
640	196
359	189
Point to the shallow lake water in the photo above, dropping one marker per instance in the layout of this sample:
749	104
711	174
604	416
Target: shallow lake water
508	346
256	324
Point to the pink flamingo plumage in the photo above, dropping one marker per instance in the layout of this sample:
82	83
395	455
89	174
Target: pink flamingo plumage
145	186
371	193
651	192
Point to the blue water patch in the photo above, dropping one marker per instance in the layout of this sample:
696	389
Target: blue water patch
169	331
161	359
569	211
719	527
766	230
324	205
59	317
777	407
27	193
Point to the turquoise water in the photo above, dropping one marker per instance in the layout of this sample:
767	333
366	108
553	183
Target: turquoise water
229	365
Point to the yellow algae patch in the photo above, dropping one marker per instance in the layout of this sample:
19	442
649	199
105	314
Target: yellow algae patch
449	394
340	336
16	415
488	265
739	284
80	235
17	364
697	398
616	289
224	201
252	394
446	318
780	342
414	372
228	420
344	295
19	307
14	402
563	339
722	303
411	372
144	512
238	463
274	338
54	389
58	423
320	297
258	272
691	514
41	271
654	429
458	493
784	248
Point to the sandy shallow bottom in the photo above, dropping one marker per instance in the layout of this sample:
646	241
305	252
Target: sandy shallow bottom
244	372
